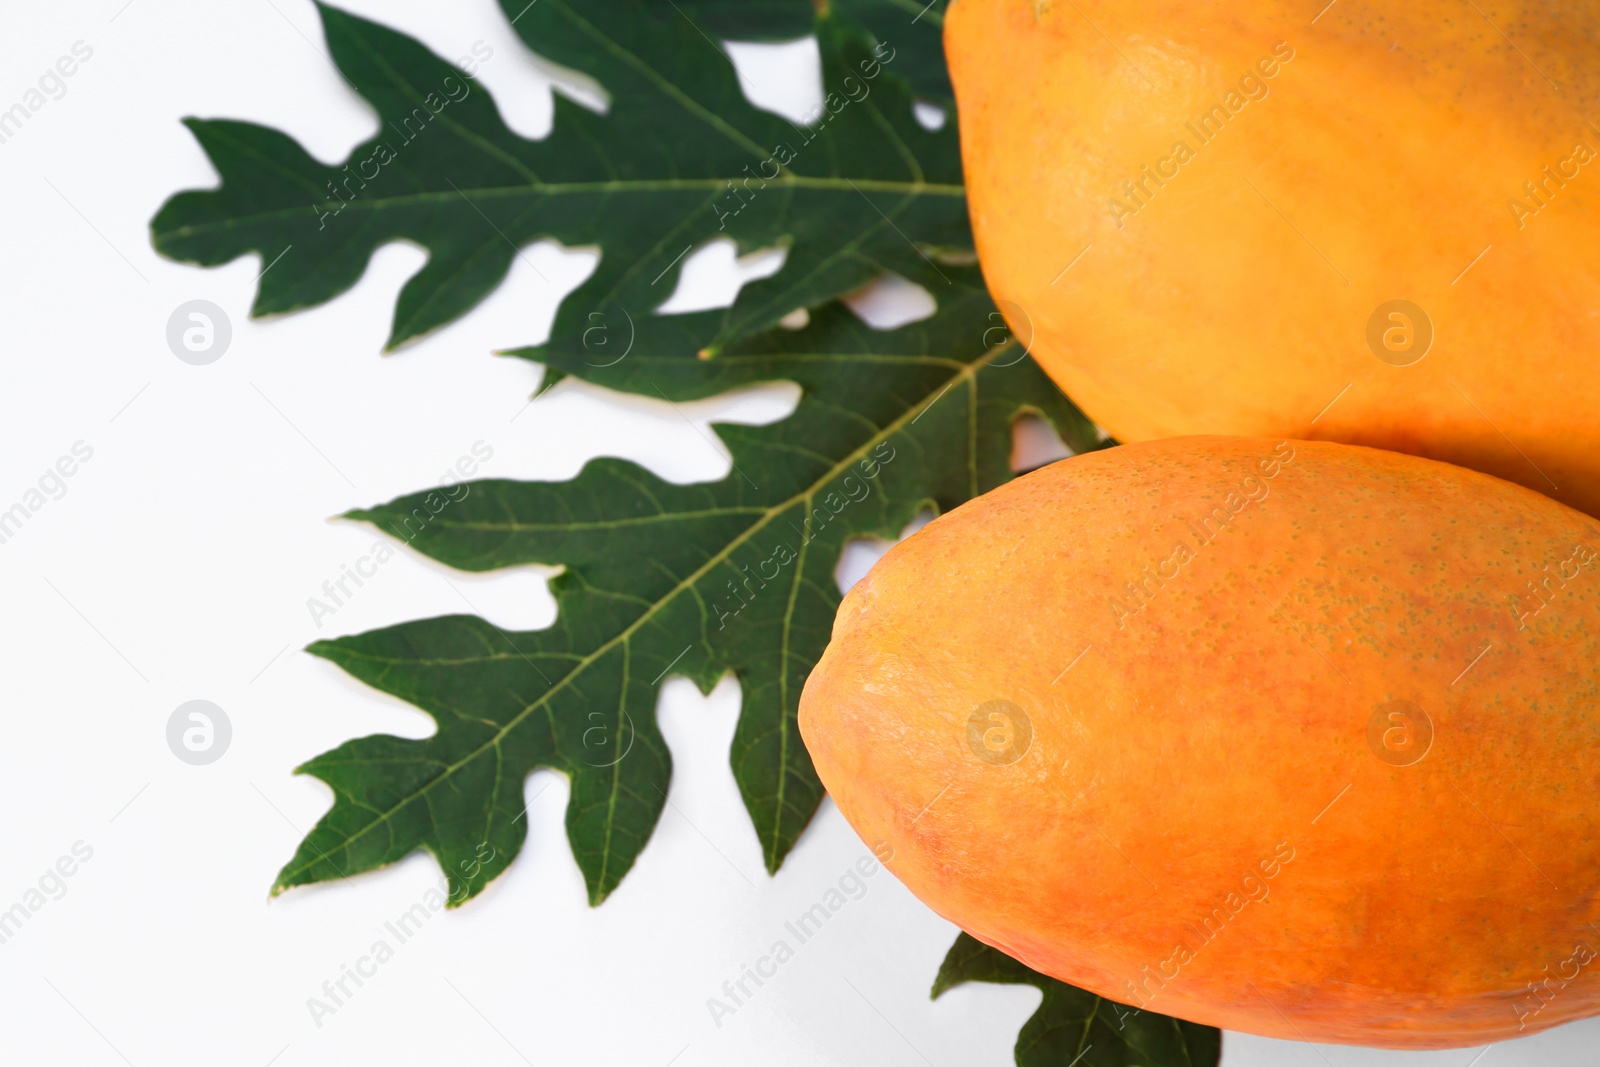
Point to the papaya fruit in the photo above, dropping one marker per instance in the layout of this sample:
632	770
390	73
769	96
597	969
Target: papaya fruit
1376	225
1294	738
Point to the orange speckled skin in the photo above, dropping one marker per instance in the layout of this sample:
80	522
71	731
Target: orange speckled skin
1382	159
1201	822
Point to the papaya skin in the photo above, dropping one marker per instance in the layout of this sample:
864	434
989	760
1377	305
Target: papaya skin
1382	159
1196	800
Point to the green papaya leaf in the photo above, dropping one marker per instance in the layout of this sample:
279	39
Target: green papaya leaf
662	580
1076	1028
680	157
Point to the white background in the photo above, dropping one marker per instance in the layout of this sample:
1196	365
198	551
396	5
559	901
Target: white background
178	564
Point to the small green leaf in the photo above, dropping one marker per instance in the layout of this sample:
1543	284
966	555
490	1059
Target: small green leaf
1076	1027
662	580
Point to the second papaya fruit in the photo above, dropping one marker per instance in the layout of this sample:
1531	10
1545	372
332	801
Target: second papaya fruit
1301	739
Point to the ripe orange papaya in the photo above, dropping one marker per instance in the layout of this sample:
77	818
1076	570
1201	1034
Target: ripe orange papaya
1377	224
1294	738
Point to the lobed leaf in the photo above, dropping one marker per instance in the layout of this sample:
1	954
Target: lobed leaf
662	579
680	157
